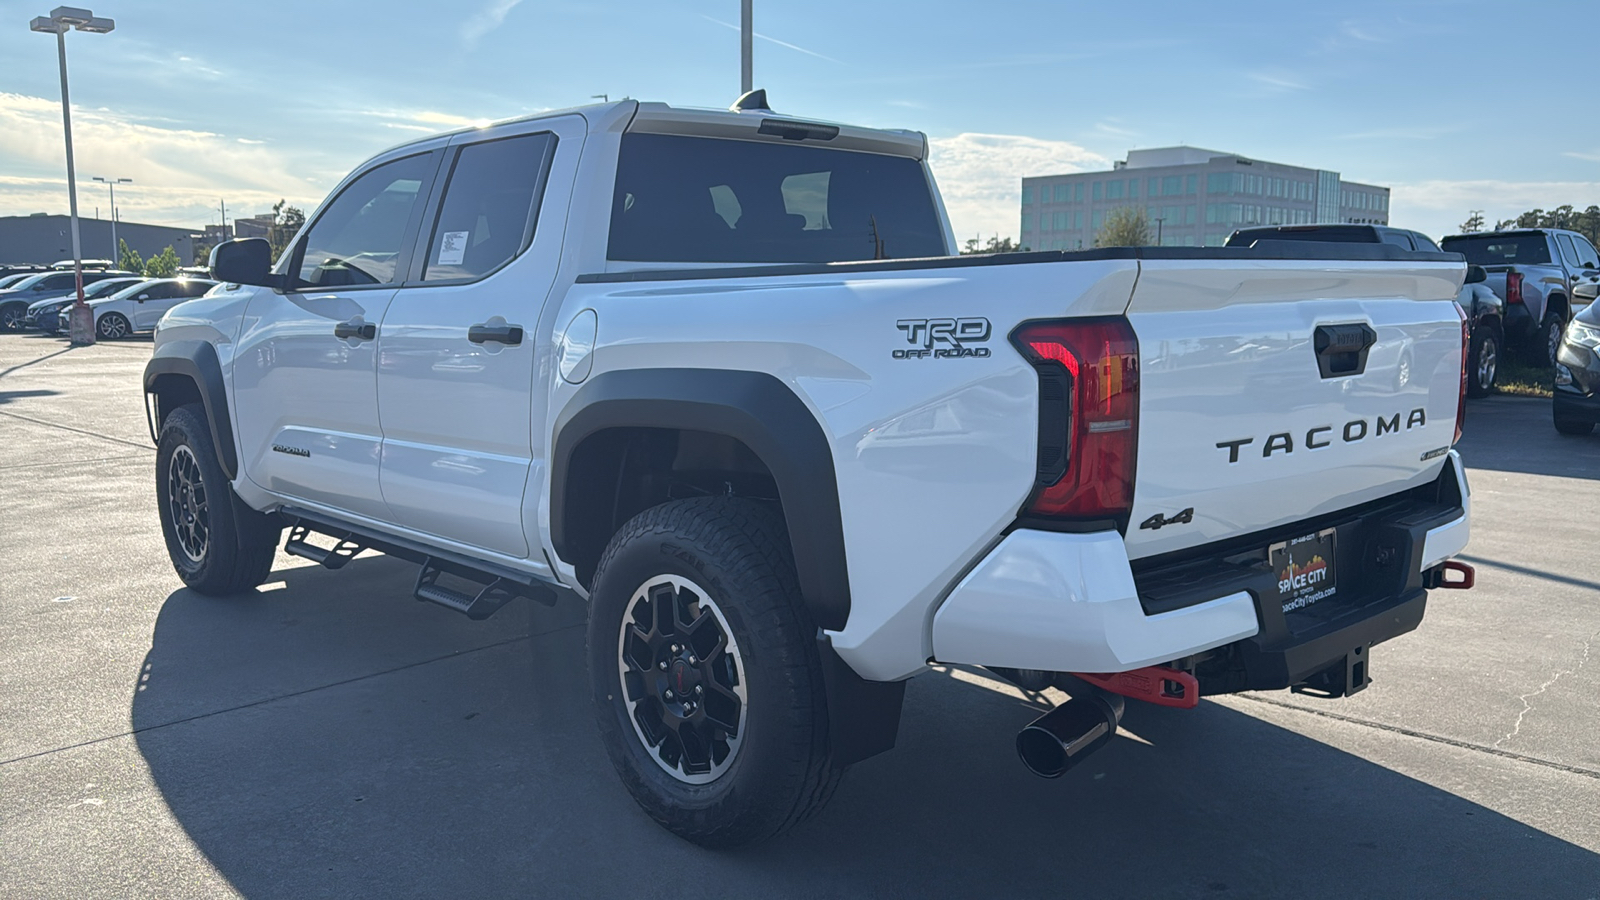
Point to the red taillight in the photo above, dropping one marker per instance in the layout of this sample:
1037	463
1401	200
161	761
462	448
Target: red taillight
1088	417
1466	347
1513	287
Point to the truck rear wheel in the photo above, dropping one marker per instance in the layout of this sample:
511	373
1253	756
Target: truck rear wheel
1483	360
705	672
218	545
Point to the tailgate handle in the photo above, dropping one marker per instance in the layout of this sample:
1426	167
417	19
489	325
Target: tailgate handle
1342	349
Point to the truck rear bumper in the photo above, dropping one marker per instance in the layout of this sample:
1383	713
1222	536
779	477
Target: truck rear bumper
1068	603
1072	602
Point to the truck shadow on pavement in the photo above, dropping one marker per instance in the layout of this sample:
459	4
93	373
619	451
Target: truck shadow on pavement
333	737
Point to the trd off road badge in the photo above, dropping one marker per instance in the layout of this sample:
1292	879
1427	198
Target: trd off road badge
943	338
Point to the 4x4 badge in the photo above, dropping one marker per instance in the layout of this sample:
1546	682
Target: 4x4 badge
1159	521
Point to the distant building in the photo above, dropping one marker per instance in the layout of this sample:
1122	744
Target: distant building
253	227
1198	196
42	239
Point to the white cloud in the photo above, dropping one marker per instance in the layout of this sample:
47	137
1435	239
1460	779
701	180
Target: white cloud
980	176
1438	207
1277	82
485	20
178	174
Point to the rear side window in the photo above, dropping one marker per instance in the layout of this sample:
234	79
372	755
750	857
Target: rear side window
489	206
692	199
1398	238
1501	250
196	288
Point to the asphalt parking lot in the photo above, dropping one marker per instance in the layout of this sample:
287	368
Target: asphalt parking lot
333	737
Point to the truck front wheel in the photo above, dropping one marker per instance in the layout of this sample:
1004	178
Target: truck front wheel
705	672
217	545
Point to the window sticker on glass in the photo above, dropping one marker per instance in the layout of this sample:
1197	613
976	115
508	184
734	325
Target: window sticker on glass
452	248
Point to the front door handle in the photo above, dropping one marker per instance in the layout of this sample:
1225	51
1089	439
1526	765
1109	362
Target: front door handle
355	330
485	333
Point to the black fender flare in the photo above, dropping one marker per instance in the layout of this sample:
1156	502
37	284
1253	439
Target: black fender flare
752	407
197	361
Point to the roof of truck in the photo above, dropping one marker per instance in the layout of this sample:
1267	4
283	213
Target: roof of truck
746	124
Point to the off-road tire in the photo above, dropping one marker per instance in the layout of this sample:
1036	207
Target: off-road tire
737	551
1485	338
239	543
1574	425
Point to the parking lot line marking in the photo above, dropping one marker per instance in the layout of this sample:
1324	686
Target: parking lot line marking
1423	735
70	462
103	437
292	694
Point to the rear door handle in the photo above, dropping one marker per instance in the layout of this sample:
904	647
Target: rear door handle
495	334
355	330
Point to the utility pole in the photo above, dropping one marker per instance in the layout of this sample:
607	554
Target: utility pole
747	33
1159	220
111	184
223	204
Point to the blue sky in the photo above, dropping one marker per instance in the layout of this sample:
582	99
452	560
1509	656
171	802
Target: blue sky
250	102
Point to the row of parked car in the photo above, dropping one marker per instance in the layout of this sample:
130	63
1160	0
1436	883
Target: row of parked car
1534	287
123	303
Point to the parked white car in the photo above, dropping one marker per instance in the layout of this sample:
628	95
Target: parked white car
141	306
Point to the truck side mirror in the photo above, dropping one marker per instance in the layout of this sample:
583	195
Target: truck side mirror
243	261
1477	274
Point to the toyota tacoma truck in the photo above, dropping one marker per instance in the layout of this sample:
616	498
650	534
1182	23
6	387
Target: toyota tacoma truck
719	374
1535	271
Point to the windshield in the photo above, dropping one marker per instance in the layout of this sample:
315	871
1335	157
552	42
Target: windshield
131	291
106	288
1501	250
28	281
696	199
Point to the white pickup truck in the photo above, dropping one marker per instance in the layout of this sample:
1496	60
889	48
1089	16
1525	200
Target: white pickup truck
717	373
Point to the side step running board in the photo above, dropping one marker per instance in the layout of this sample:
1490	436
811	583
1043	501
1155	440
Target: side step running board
484	604
342	552
500	585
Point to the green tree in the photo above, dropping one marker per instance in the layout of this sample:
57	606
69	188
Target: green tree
163	266
286	222
996	244
1127	226
128	259
202	254
1473	223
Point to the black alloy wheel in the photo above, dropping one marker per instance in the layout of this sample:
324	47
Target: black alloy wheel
12	317
682	679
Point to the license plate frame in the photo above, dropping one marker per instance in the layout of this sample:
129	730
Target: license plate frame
1307	569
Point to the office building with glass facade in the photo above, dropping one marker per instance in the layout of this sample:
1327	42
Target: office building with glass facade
1193	198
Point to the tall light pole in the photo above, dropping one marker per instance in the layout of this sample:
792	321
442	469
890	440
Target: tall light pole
57	23
747	33
111	185
1159	220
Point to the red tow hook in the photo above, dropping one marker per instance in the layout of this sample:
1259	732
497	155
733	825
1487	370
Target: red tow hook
1152	684
1469	576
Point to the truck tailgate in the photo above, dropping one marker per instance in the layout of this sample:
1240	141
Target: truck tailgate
1241	419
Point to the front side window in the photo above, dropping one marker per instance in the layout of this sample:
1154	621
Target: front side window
1587	258
489	206
357	239
710	200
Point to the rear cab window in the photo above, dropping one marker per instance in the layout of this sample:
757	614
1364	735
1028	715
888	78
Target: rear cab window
1502	250
686	199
